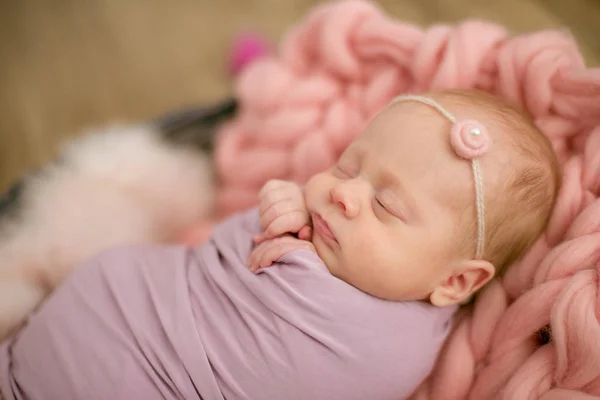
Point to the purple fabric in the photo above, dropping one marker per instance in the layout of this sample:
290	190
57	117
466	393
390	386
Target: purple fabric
178	323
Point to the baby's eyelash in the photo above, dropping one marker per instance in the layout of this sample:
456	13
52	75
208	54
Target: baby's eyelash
339	170
381	204
393	211
342	171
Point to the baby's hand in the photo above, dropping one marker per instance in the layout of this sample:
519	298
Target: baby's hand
282	210
269	251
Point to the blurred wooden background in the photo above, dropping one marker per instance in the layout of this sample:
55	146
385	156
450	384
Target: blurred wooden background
67	64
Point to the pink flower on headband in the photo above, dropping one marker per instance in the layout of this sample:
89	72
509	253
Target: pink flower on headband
470	139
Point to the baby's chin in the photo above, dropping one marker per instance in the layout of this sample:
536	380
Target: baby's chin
324	253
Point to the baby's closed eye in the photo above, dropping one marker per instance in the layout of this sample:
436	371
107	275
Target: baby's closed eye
387	201
342	171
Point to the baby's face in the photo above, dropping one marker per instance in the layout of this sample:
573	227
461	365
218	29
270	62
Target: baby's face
385	215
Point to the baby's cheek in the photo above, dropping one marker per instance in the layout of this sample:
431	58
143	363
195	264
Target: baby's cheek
316	190
460	241
367	247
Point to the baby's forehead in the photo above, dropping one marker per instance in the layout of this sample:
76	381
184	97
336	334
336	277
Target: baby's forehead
420	134
415	129
413	141
413	117
409	126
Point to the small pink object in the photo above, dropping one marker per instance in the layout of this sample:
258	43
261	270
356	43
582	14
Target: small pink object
470	139
246	48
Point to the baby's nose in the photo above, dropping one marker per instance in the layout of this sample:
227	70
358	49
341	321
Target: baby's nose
345	197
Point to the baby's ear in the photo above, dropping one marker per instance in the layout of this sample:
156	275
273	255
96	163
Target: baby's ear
466	277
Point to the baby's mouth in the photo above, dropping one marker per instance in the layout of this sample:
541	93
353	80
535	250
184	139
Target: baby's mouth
322	228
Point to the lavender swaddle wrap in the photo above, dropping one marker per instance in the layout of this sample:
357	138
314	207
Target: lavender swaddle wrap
179	323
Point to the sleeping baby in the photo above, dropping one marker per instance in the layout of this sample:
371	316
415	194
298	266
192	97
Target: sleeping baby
342	289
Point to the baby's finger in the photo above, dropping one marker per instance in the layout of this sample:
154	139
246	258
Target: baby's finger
281	192
291	222
264	258
270	255
252	258
303	245
271	199
260	255
274	252
271	185
261	238
277	210
274	195
258	239
305	233
271	251
255	256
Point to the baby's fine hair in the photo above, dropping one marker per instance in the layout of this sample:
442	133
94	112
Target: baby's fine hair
519	205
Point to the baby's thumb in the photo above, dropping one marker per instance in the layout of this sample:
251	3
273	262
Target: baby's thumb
305	233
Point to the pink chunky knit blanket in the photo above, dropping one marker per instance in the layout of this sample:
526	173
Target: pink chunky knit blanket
337	68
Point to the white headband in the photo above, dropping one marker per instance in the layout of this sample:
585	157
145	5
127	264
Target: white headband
470	140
